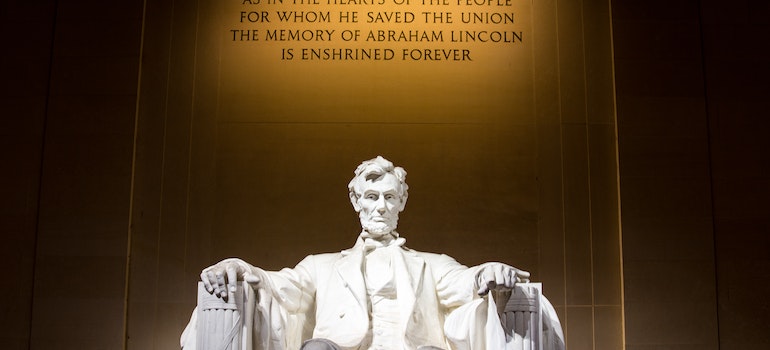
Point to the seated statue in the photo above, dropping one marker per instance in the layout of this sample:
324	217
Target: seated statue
376	295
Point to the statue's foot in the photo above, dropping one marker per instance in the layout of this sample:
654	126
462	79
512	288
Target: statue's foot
319	344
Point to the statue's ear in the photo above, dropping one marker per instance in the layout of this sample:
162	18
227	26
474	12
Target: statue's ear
403	203
354	201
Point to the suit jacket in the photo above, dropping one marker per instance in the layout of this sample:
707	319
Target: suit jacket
325	296
329	291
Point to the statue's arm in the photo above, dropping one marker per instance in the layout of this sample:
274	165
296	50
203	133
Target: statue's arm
454	281
293	288
287	290
457	284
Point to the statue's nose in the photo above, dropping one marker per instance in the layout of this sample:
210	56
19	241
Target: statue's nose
381	205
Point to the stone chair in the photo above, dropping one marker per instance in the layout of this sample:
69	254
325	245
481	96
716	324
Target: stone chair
229	325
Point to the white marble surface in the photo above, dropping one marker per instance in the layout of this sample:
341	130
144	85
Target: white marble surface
377	293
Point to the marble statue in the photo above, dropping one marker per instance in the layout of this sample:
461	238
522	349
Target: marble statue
377	294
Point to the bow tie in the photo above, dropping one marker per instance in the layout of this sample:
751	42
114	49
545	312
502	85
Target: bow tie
371	244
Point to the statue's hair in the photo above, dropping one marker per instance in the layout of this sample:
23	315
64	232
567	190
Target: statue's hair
376	168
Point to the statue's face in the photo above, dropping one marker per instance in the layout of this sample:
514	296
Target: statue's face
380	204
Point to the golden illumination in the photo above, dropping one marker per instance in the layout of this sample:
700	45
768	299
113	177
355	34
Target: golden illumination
405	60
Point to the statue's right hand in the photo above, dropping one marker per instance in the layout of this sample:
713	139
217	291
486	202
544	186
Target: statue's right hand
221	279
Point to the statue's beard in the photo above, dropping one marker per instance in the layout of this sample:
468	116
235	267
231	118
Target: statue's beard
378	228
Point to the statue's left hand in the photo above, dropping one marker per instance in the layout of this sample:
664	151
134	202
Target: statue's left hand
499	276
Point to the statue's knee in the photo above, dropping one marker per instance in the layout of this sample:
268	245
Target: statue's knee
319	344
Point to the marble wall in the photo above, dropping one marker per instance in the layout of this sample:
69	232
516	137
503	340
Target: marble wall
693	172
125	176
69	88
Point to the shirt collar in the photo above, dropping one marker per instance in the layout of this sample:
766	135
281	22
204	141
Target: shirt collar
367	243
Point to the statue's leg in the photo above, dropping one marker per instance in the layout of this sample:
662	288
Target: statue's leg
319	344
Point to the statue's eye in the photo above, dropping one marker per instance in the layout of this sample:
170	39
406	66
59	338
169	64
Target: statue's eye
371	196
389	197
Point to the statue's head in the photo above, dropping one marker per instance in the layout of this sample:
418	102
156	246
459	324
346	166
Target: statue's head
378	193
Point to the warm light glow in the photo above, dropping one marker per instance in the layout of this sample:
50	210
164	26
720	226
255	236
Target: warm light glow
358	61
